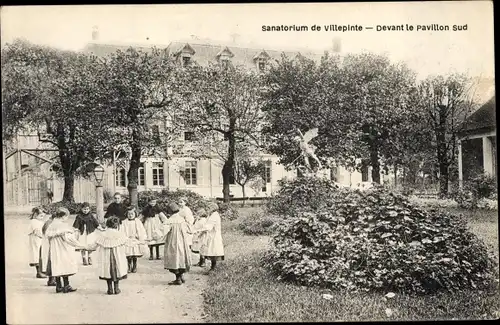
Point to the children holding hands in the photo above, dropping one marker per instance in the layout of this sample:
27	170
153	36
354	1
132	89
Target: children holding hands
111	249
60	260
35	240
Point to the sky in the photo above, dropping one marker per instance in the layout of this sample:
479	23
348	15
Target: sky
427	52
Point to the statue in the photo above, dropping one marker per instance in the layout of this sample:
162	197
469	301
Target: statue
308	149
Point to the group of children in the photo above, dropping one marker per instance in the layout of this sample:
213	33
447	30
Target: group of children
120	240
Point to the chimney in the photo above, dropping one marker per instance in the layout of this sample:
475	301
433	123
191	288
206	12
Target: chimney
234	38
336	45
95	33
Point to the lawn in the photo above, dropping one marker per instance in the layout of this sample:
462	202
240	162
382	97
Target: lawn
242	291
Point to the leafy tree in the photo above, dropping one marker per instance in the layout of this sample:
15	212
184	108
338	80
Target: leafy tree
248	166
292	96
139	88
221	106
57	94
360	104
379	101
447	102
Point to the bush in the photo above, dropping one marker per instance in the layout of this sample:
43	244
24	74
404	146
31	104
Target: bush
228	211
475	191
73	207
483	186
466	199
309	193
433	203
194	200
258	224
378	240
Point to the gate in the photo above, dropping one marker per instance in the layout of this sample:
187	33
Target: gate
37	189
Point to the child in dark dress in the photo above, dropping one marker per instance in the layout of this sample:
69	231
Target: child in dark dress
117	208
86	223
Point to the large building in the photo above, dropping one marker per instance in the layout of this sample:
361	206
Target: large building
29	175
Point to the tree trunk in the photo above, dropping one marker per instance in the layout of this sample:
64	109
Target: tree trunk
244	196
69	183
443	179
228	167
375	163
395	176
67	168
442	155
133	175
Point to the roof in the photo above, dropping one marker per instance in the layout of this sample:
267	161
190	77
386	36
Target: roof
104	49
244	56
204	52
484	119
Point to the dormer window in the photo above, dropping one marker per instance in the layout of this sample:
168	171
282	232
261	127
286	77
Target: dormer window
156	131
224	57
262	66
224	63
261	60
185	54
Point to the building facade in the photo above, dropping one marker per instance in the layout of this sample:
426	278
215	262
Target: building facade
29	177
478	143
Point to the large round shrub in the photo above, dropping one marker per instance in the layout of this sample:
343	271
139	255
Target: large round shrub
377	240
228	211
257	224
72	207
310	193
194	200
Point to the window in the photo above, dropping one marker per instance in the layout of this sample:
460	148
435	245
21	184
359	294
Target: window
267	175
142	175
158	176
168	123
262	66
121	177
224	63
190	173
188	136
364	173
185	61
156	131
333	174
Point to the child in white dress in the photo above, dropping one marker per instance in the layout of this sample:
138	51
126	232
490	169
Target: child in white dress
187	214
199	238
35	240
213	247
153	219
110	246
134	230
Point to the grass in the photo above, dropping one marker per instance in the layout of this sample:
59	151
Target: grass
243	291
